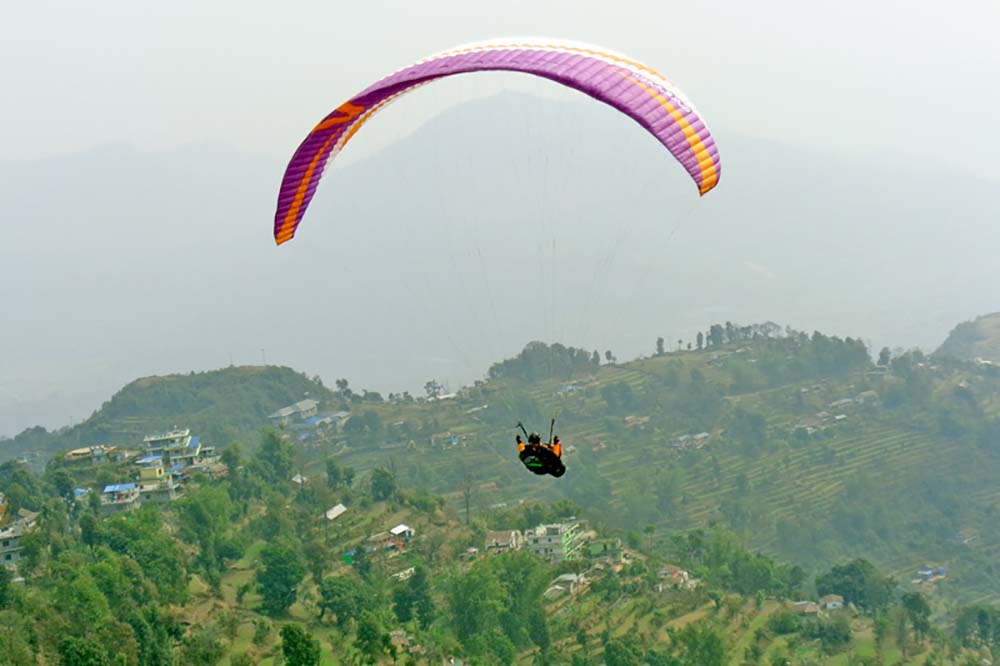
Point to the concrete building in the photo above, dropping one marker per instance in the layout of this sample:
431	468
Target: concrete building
554	543
10	536
502	541
118	498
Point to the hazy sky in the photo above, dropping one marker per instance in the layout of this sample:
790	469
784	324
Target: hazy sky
143	144
914	79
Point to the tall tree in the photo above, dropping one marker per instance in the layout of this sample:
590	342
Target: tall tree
700	340
660	346
275	457
859	582
383	484
373	639
413	601
278	578
298	646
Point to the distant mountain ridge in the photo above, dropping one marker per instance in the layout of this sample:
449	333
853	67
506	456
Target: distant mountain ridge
220	405
970	340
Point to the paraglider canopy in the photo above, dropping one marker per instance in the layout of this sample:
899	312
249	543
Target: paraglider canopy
636	90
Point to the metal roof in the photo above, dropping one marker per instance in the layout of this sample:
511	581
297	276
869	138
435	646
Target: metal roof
119	487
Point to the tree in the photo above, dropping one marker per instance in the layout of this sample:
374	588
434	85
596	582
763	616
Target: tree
414	600
373	639
298	646
701	644
884	357
918	611
279	577
334	475
716	335
232	457
660	349
81	652
204	517
275	457
6	592
859	582
608	356
700	340
344	597
383	484
202	647
618	653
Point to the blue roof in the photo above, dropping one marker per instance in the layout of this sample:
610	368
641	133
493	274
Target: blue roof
119	487
176	468
145	460
195	440
312	420
79	491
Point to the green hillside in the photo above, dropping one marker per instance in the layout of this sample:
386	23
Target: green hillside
221	405
974	339
812	453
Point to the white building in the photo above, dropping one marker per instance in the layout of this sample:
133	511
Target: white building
554	543
10	537
501	541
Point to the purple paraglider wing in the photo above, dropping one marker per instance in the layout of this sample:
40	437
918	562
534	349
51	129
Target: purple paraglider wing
629	86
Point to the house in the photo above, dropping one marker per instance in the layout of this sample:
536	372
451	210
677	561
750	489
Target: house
336	512
405	574
160	491
634	421
95	454
931	574
807	608
119	497
10	536
831	602
445	439
840	418
150	467
174	447
570	581
501	541
380	541
841	404
867	398
566	583
303	409
299	480
402	531
674	577
610	549
554	543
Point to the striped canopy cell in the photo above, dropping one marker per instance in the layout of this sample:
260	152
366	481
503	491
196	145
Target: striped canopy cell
639	92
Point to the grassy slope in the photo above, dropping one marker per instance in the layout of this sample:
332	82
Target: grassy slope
791	481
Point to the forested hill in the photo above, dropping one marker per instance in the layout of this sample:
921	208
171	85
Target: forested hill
220	405
974	339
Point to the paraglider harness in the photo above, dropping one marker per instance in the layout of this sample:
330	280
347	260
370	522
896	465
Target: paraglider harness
540	458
